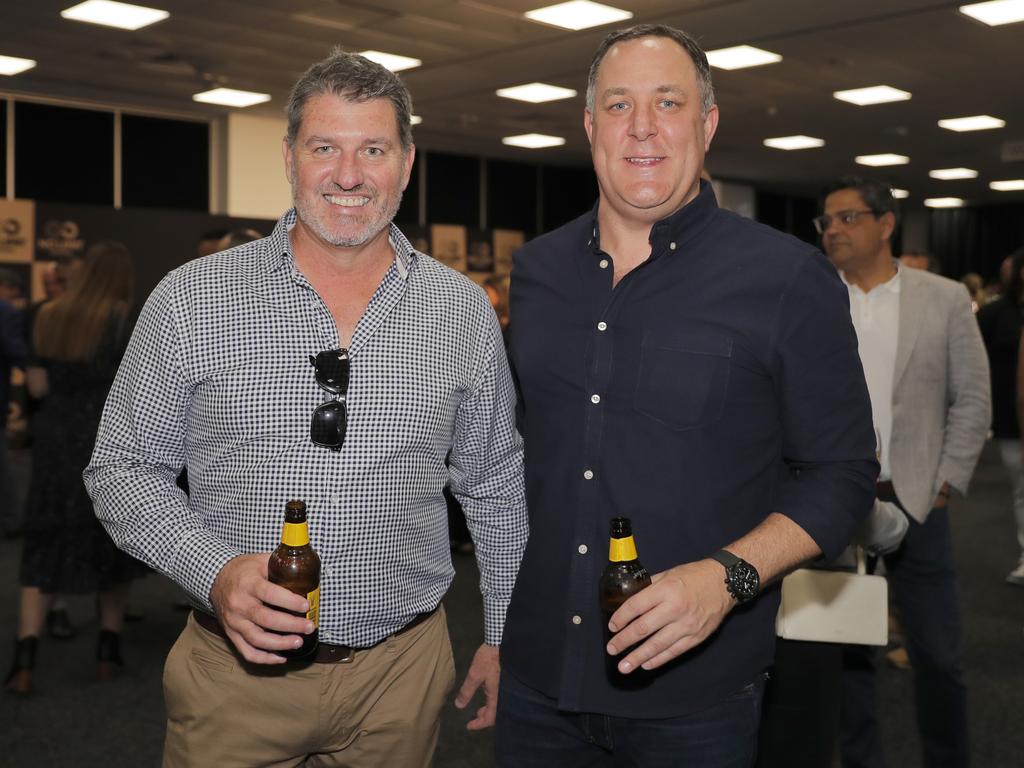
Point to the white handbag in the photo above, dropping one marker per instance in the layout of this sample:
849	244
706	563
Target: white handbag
834	606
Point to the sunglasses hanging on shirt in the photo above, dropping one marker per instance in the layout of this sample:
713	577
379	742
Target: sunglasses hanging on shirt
330	419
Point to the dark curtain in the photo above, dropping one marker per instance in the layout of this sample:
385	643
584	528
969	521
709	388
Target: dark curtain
975	239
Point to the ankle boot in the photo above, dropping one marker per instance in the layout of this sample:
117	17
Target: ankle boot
108	654
19	679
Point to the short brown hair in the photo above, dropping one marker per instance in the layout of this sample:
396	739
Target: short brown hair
687	43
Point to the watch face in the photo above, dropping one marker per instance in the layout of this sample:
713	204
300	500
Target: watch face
744	580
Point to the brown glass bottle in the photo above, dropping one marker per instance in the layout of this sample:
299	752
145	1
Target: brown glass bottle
622	578
296	567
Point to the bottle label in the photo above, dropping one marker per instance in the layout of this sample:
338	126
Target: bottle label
313	614
295	534
622	550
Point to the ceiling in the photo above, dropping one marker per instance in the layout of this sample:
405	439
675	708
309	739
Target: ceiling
953	66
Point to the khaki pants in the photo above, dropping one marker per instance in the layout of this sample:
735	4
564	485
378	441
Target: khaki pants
381	709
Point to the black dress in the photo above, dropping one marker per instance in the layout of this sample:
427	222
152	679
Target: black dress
65	548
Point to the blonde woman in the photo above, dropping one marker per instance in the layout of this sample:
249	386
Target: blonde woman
77	341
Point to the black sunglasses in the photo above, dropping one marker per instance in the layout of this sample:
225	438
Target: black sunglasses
330	420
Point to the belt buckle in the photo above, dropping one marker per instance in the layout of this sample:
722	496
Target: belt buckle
336	654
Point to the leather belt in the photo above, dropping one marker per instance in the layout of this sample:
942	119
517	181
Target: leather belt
884	491
325	652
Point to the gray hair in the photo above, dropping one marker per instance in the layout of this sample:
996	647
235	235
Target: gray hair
687	43
355	78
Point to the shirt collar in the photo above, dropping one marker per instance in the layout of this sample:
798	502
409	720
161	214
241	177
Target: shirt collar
277	253
892	285
674	230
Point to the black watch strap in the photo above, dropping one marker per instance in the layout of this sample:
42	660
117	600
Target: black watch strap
741	578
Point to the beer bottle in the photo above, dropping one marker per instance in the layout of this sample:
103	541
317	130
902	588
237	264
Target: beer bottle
296	566
622	578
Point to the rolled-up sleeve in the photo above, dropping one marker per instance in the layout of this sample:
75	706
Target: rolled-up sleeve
486	466
139	454
828	437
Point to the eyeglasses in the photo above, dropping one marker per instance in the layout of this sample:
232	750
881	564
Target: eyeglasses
846	218
330	420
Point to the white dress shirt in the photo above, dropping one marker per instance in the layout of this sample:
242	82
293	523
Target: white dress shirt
876	318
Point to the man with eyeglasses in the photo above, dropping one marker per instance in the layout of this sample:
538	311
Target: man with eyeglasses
332	363
927	374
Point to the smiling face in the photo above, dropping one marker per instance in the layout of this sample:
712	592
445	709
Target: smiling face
347	169
647	134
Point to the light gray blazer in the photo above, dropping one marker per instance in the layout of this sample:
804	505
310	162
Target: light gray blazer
941	396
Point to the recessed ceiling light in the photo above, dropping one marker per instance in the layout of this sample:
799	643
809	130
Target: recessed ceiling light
1009	185
996	12
229	97
794	142
949	174
900	194
415	119
12	65
973	123
880	160
741	56
944	202
875	94
391	61
536	92
111	14
533	141
578	14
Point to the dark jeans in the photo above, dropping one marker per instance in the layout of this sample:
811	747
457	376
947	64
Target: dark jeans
531	732
923	582
800	723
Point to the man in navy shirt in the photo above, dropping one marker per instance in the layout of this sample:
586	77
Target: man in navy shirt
695	372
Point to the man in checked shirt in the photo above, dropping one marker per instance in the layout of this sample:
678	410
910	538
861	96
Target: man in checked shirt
225	376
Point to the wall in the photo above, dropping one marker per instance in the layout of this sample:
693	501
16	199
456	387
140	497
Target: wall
255	181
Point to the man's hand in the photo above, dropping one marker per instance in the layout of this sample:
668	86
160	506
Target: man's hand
248	605
677	612
942	499
485	670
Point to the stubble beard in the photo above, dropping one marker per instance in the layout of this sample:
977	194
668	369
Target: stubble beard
305	209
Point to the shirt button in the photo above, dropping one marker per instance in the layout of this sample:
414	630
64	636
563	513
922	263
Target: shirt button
603	263
588	475
582	549
602	326
577	620
595	399
671	246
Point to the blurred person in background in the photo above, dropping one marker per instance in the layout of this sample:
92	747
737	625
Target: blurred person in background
496	288
238	237
78	340
975	285
920	260
1001	323
924	363
12	354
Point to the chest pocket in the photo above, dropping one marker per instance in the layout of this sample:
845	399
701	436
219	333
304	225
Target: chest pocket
683	378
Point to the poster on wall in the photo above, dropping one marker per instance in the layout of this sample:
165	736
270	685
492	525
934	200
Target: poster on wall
505	242
17	221
449	245
479	252
59	238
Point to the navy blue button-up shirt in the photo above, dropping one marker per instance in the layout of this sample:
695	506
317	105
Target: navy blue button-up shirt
718	382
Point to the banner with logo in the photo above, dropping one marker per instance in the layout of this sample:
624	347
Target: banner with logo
17	222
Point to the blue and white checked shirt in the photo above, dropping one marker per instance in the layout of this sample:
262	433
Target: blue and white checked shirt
217	378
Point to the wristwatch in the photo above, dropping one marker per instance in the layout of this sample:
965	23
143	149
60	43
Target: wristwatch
741	578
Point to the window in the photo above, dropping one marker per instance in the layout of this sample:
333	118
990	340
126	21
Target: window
453	189
512	196
165	163
63	155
